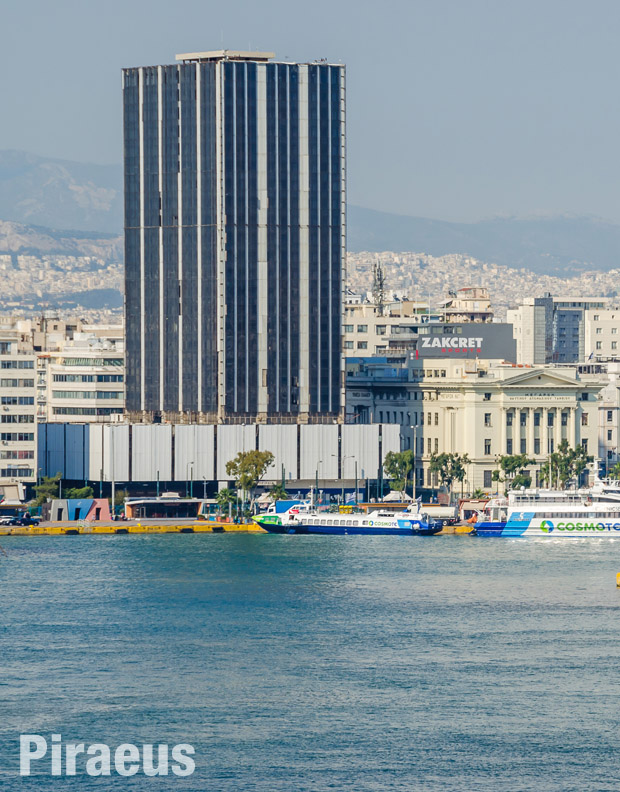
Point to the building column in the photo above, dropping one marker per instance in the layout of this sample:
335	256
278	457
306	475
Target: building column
545	432
530	431
503	411
572	424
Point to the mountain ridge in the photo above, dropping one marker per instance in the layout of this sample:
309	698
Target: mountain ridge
51	195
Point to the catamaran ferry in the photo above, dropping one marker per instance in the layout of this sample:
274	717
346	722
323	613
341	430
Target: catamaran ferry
562	514
304	519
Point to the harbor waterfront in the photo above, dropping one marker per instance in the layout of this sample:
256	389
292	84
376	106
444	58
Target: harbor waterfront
309	662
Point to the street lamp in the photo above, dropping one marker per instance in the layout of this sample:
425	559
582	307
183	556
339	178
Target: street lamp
316	491
189	469
344	459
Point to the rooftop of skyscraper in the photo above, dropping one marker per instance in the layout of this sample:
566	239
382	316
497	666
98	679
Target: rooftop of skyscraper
237	55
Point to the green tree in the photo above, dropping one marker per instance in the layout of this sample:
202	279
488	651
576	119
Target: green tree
614	471
479	494
513	466
564	465
248	468
47	489
449	468
225	497
119	497
79	492
278	492
398	466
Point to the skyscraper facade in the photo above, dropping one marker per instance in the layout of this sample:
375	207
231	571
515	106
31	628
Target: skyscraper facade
234	238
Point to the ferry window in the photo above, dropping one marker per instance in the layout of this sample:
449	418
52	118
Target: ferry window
364	522
584	419
322	522
349	522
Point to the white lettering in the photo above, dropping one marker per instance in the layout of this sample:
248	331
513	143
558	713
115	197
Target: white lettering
462	342
99	765
123	754
26	755
56	755
71	752
162	760
181	754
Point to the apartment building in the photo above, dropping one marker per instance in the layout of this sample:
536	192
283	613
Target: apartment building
602	334
82	380
18	456
552	329
376	328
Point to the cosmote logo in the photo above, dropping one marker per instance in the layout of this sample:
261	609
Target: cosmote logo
546	526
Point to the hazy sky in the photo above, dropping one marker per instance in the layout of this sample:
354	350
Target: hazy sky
457	109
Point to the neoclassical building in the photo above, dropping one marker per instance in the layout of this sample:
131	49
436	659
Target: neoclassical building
481	408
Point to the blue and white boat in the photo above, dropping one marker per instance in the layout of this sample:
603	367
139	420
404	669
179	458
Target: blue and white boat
491	520
304	519
563	514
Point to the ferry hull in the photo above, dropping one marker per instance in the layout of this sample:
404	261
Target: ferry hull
349	530
578	529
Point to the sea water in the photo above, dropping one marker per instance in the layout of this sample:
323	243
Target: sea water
317	663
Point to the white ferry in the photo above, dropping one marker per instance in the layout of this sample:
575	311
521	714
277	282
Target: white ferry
304	519
563	514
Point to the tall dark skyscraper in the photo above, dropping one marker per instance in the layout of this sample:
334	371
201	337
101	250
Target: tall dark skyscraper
234	238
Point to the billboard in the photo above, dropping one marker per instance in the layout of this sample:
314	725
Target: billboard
473	340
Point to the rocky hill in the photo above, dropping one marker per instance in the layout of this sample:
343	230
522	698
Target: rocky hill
60	194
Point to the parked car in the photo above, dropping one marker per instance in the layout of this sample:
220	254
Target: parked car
22	519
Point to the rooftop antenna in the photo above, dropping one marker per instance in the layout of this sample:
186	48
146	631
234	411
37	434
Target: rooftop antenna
378	287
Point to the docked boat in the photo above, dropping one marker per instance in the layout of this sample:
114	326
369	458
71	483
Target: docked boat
304	519
562	514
